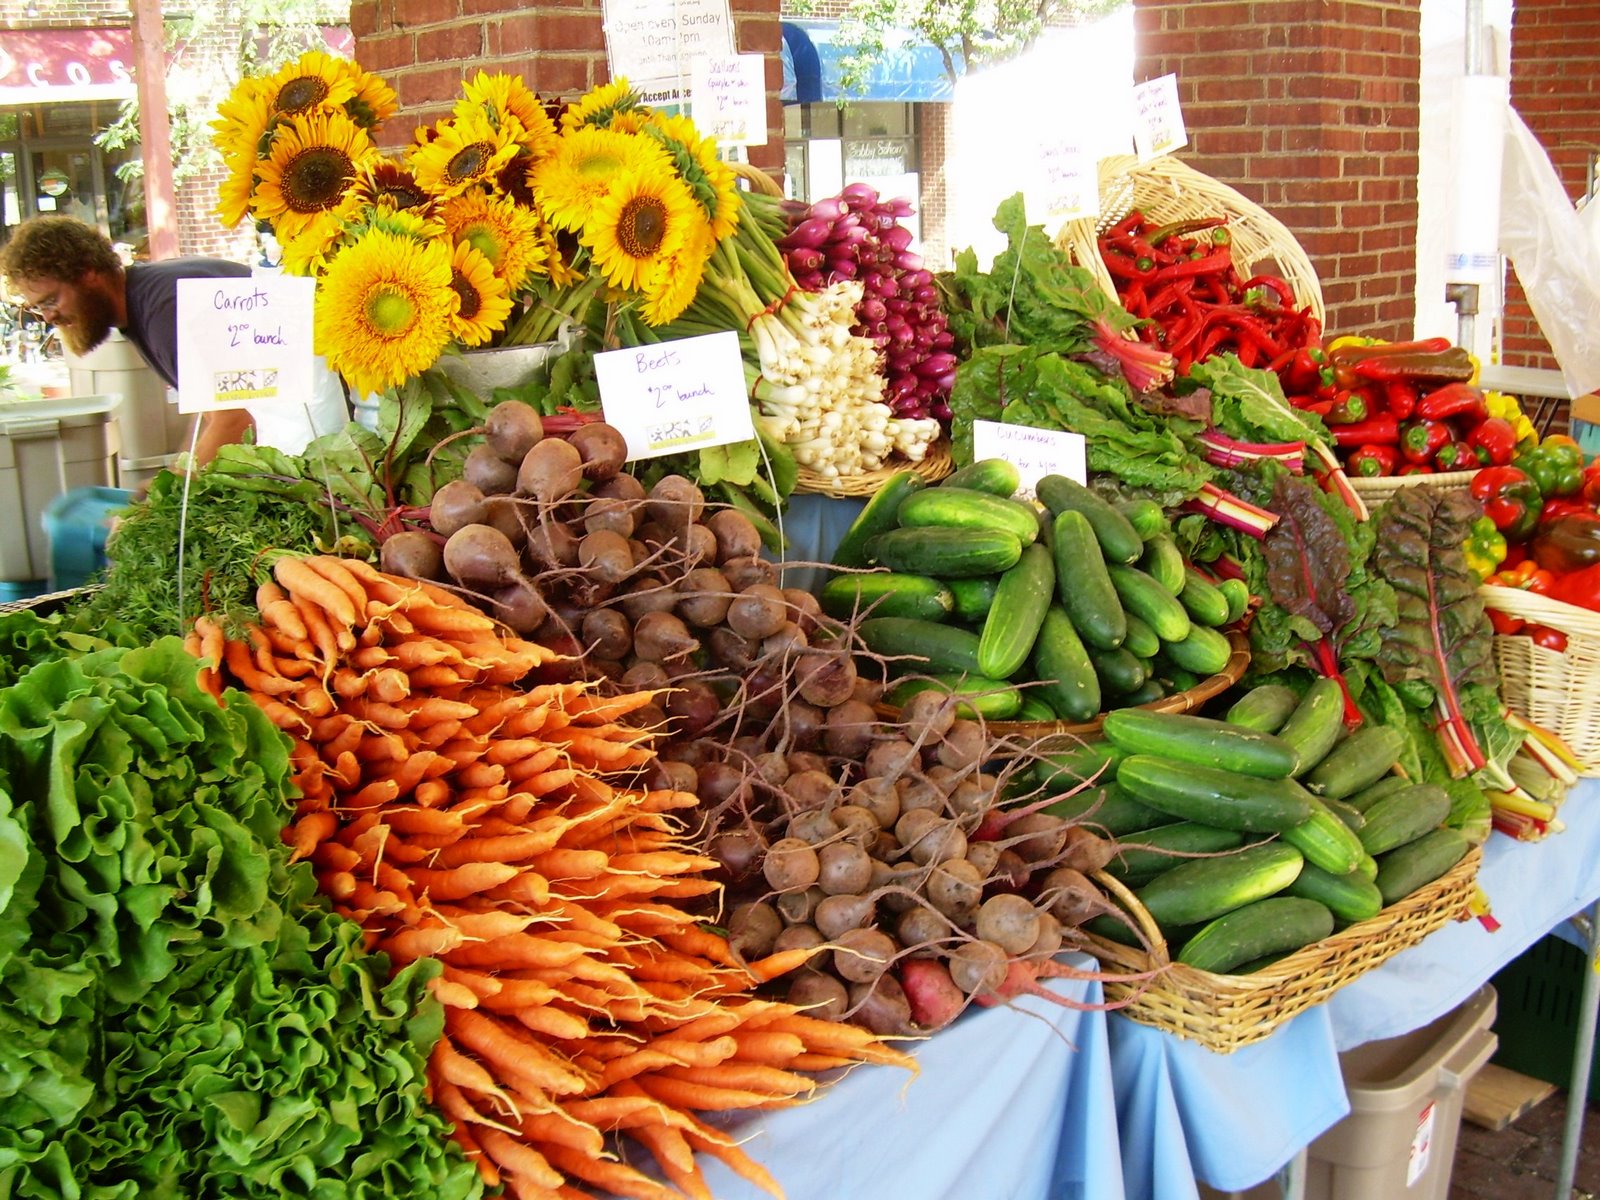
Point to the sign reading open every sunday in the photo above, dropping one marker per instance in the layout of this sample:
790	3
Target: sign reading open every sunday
244	341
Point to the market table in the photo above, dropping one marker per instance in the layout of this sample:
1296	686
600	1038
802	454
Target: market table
1185	1113
1010	1105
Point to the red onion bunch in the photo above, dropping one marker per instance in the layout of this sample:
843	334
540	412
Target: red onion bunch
856	235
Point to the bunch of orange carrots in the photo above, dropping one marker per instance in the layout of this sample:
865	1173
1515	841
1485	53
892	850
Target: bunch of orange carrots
460	811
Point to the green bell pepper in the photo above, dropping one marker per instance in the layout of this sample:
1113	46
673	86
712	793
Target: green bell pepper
1485	548
1555	464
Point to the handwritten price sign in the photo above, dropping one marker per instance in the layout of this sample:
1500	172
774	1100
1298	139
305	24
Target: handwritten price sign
1158	118
675	396
244	342
1034	452
728	98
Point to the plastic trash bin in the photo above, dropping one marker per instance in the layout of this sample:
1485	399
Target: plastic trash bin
1406	1095
47	447
77	524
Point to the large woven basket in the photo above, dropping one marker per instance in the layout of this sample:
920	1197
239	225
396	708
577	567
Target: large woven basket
1558	689
1166	190
1224	1012
933	466
1377	490
1178	702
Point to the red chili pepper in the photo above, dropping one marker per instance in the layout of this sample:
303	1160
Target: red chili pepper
1207	265
1193	225
1496	438
1124	266
1320	407
1379	430
1412	468
1354	352
1400	398
1454	400
1421	440
1371	460
1275	285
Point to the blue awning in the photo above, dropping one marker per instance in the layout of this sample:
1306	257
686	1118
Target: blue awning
909	70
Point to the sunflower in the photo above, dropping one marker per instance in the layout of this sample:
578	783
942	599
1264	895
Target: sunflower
502	96
383	309
561	249
579	171
234	192
374	101
612	105
645	219
695	159
314	80
242	121
484	301
313	158
387	183
468	150
671	288
503	232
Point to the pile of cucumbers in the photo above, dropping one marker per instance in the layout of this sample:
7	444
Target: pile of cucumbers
1051	614
1303	827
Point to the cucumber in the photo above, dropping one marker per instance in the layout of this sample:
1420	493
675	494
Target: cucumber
1326	841
1203	888
1163	562
1264	929
1317	724
1017	615
992	699
1144	597
1177	679
1110	808
993	475
1352	897
1409	867
1082	583
1068	768
973	597
1118	539
1368	868
1265	707
1062	665
1120	673
1146	517
946	553
1370	795
1203	651
1213	796
1403	817
1237	592
887	594
1148	692
877	517
1352	816
1205	602
927	645
1141	641
1200	740
1035	709
1364	757
964	508
1147	854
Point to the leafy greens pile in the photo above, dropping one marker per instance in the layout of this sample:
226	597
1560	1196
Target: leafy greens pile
181	1016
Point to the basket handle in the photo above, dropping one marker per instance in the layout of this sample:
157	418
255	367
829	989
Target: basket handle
760	182
1140	914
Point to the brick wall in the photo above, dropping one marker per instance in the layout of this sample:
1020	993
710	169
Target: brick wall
1309	108
933	143
1554	88
423	48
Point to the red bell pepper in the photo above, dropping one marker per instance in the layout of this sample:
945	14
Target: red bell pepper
1304	369
1400	398
1370	461
1503	622
1496	441
1567	506
1581	588
1421	440
1412	468
1349	408
1456	456
1550	639
1381	430
1510	499
1454	400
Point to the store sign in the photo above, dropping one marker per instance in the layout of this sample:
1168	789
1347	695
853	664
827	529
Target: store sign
669	397
54	182
1034	452
865	158
728	98
653	43
65	64
244	342
1158	119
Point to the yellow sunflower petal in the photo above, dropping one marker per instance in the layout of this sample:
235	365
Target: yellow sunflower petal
672	286
468	150
383	309
314	80
373	101
695	159
601	107
242	121
502	97
233	193
579	171
646	218
484	303
505	233
313	159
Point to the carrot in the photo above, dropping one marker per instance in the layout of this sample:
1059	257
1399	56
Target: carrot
549	781
663	862
370	658
432	793
425	941
309	832
516	1056
375	712
454	995
453	620
609	708
457	883
820	1062
456	1068
244	669
324	641
705	1097
333	856
383	902
676	1157
374	795
390	685
518	1160
475	1155
528	888
557	1127
514	992
667	1052
770	1048
522	950
412	820
274	606
612	1177
559	865
304	583
336	884
290	720
442	677
484	926
349	684
337	573
482	986
741	1076
723	1148
511	848
549	1021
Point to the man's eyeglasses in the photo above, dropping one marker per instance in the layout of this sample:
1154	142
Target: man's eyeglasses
46	309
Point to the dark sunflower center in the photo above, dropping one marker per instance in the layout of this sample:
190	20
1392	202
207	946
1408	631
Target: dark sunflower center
643	225
315	179
300	94
471	302
468	162
402	195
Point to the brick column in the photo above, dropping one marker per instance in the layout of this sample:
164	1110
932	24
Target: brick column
1310	108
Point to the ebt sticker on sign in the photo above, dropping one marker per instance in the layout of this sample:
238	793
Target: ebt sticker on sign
244	342
1034	452
675	396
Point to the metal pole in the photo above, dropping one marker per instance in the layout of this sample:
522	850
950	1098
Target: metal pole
1582	1062
1465	295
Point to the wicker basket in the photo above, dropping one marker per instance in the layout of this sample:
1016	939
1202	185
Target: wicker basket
933	466
1224	1012
1558	689
1377	490
1166	190
1178	702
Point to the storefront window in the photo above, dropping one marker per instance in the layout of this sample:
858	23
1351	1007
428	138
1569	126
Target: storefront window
49	163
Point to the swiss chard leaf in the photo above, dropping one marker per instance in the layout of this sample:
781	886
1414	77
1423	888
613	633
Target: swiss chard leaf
1308	563
1248	404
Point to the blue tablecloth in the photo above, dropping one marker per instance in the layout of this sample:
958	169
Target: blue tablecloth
813	526
1011	1104
1233	1120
